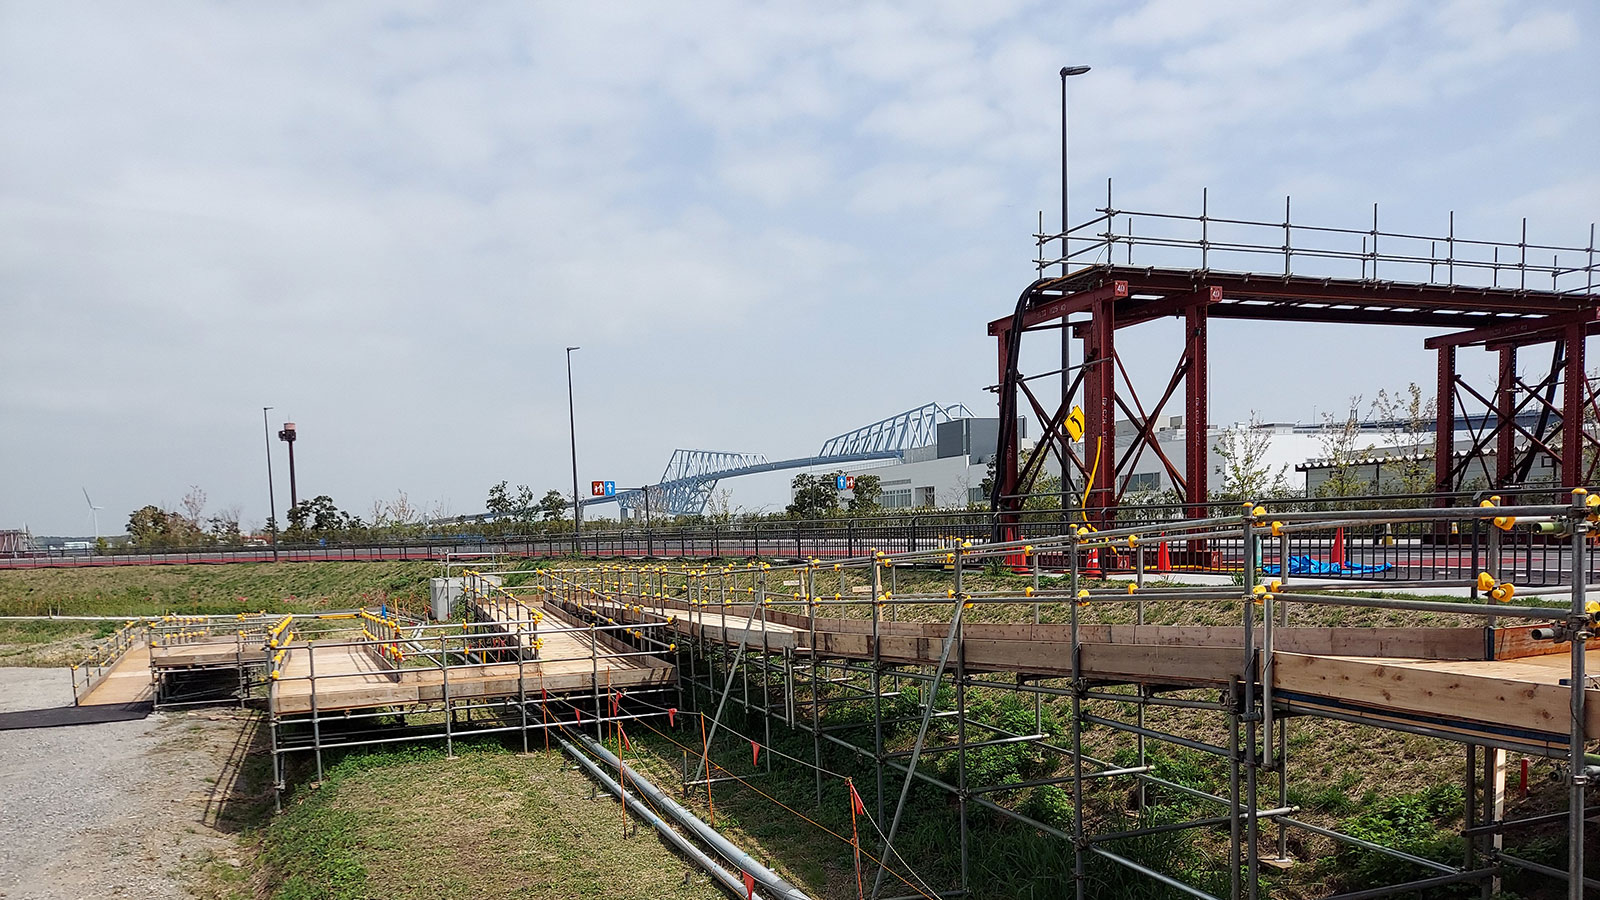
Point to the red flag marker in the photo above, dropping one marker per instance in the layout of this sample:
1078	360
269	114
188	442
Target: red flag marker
672	715
749	886
857	808
755	752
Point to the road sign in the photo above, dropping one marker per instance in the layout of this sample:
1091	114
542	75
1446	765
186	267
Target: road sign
597	488
849	482
611	489
839	483
1074	423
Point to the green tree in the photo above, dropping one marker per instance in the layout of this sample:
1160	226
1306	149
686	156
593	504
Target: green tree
147	525
1410	470
499	503
1246	473
867	494
1340	437
553	508
524	505
815	496
319	518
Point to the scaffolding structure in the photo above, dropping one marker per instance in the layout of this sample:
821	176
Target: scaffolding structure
588	648
512	665
790	656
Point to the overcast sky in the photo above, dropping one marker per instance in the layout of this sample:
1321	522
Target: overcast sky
764	223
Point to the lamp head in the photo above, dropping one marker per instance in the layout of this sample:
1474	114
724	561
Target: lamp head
1073	70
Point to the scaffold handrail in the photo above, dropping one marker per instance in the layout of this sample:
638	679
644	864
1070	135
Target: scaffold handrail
1112	233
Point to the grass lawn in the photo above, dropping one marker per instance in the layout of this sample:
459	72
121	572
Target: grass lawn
158	590
409	824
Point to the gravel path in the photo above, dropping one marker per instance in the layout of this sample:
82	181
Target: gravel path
118	809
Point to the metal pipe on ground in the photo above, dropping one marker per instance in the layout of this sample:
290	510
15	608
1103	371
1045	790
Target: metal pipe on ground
724	877
683	817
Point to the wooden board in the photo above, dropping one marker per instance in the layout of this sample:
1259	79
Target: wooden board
1516	641
1491	692
228	652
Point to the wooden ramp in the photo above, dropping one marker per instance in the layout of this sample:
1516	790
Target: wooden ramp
127	681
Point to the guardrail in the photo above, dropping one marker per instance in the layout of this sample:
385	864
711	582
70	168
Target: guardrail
88	673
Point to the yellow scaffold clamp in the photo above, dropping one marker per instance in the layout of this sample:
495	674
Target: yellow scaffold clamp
1028	591
1503	523
1501	592
1132	587
1591	502
1027	550
1083	598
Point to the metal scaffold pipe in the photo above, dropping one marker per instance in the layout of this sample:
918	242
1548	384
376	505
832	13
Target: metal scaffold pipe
713	868
683	817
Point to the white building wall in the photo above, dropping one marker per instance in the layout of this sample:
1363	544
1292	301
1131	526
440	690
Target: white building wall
953	482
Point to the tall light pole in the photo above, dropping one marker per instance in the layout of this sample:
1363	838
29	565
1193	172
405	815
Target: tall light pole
1066	222
272	501
1066	251
572	421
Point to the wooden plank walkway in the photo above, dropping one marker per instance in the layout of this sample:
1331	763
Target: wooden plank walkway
350	677
128	681
1438	675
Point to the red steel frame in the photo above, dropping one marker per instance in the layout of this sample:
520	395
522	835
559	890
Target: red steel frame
1105	298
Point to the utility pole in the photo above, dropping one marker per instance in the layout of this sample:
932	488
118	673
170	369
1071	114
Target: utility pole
272	501
572	422
1066	251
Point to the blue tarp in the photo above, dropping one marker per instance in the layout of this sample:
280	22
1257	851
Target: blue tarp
1305	565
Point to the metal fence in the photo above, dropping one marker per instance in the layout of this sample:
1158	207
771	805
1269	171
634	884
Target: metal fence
1406	551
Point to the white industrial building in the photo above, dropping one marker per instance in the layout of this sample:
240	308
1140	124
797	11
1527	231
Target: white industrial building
950	473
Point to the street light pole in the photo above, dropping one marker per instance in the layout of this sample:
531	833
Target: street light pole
272	500
572	422
1066	222
1066	251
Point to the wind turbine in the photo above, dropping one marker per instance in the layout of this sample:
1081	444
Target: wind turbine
94	512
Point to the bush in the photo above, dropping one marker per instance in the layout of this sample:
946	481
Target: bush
1409	823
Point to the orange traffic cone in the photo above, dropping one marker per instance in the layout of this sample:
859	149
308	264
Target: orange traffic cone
1336	554
1092	568
1163	558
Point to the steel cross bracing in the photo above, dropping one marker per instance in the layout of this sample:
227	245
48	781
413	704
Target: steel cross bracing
1499	296
691	475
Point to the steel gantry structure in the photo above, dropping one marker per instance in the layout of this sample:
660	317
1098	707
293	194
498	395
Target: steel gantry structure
1125	268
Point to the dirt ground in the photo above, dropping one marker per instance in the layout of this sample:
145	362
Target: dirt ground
116	809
